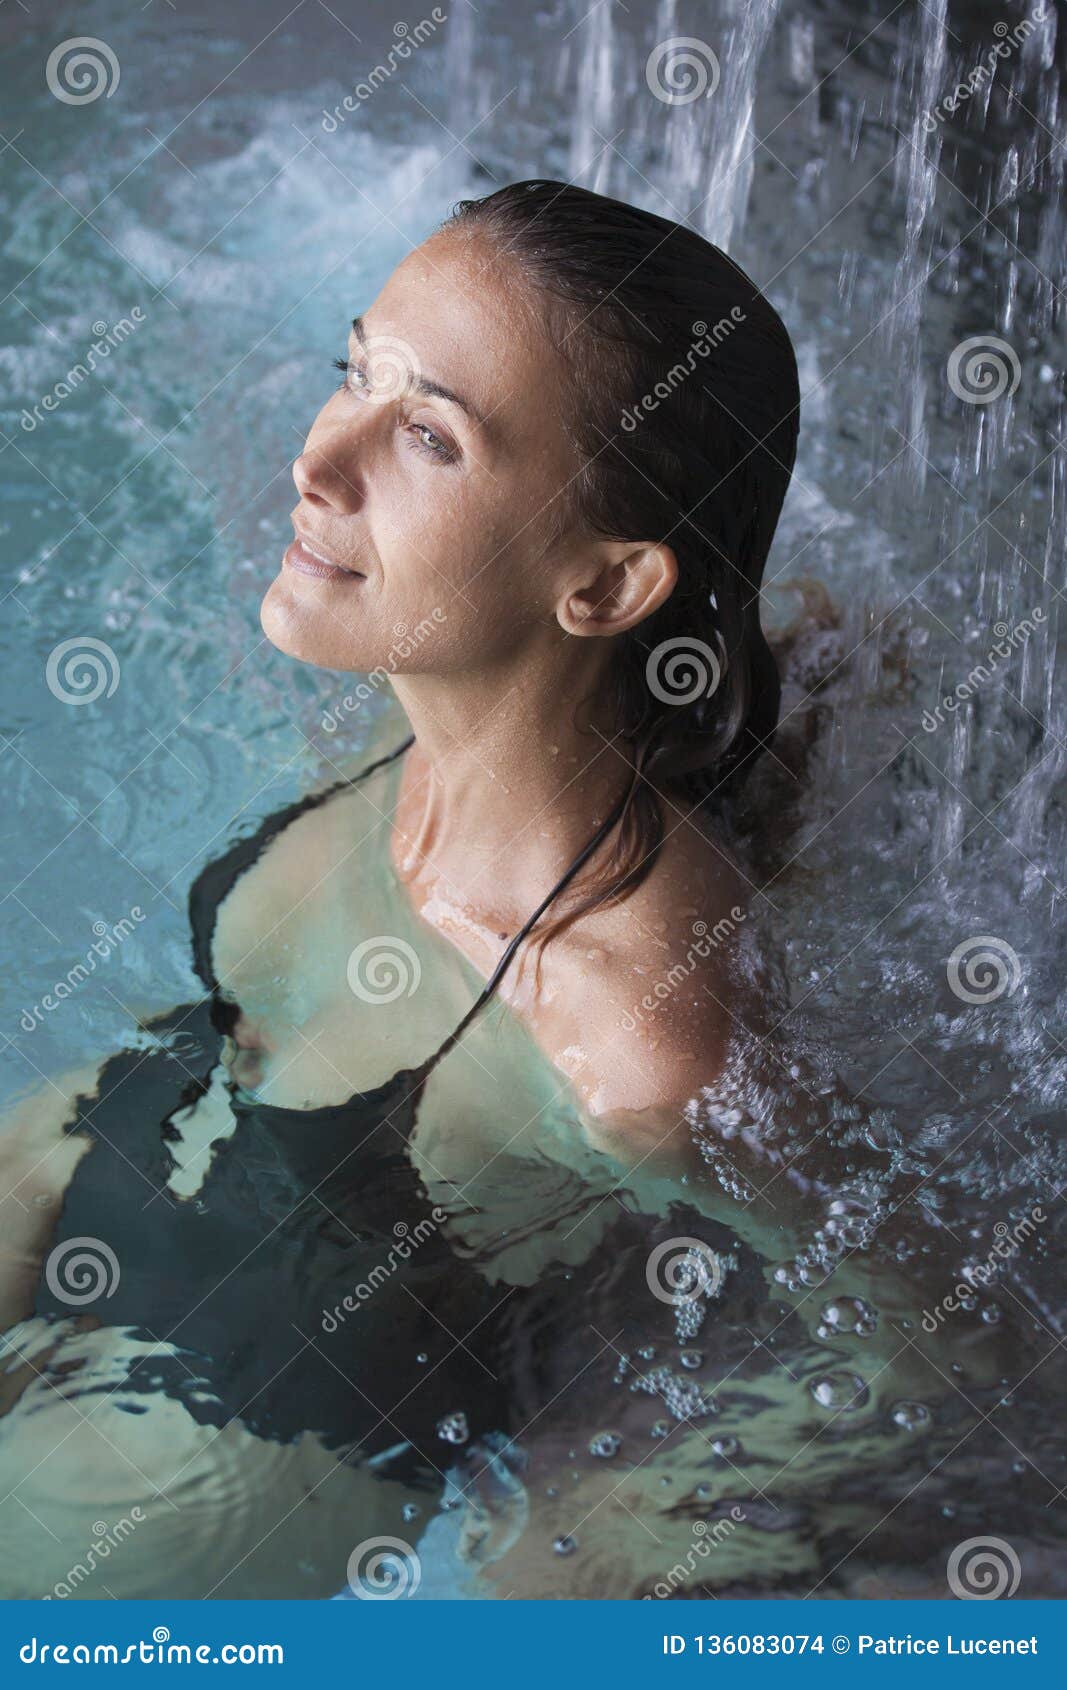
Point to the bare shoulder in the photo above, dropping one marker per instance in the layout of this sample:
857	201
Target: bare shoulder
639	1001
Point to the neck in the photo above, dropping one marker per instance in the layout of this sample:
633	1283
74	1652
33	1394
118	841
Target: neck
505	784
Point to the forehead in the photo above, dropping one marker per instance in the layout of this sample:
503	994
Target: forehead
473	324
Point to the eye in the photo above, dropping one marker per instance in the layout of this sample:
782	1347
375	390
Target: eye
425	439
356	379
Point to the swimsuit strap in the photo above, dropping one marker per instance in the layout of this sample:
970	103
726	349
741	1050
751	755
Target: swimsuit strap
215	881
593	844
218	878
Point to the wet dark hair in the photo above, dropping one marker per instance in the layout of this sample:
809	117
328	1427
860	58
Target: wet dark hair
684	410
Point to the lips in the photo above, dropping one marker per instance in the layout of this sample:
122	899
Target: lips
307	559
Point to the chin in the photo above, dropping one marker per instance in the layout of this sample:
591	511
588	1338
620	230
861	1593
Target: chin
302	626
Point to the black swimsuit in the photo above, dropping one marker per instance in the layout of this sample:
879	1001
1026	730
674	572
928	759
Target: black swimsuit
299	1209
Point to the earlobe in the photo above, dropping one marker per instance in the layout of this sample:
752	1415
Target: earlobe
630	584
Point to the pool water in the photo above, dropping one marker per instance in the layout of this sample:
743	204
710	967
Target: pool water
829	1360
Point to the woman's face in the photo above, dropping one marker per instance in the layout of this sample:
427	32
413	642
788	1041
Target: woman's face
430	481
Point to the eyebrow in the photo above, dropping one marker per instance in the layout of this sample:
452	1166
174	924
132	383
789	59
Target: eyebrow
432	389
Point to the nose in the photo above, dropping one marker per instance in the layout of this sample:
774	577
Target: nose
329	477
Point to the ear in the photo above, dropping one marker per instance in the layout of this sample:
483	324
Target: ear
622	585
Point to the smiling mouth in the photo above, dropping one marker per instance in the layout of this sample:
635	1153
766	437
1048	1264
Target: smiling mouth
306	560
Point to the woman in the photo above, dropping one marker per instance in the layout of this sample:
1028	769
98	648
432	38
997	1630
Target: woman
497	468
460	1002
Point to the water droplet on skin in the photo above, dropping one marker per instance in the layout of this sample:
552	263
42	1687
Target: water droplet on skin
948	1512
422	1357
911	1416
605	1444
660	1429
843	1393
728	1448
453	1428
647	1352
552	1491
410	1511
991	1314
691	1358
565	1545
